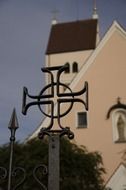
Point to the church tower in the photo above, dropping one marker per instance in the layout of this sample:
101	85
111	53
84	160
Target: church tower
71	43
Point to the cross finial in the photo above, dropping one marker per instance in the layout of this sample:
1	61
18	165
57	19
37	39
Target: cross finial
56	113
54	16
95	15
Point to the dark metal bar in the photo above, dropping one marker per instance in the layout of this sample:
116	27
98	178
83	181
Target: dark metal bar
13	125
10	164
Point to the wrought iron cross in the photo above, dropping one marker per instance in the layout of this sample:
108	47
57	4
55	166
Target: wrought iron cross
44	98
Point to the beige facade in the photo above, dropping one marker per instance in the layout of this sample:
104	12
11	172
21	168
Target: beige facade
60	59
104	69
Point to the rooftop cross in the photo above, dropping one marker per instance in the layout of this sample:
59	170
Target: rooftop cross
95	15
54	19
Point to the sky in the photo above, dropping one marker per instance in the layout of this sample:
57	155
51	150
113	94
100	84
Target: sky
24	30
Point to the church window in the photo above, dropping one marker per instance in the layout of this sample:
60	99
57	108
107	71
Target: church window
82	119
68	68
75	67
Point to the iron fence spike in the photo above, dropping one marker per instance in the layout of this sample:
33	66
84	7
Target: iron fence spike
13	124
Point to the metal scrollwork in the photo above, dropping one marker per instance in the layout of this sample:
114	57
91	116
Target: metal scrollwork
3	173
42	169
18	171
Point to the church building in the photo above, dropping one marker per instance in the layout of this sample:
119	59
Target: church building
102	63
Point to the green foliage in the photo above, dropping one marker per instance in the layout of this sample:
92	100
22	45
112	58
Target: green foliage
79	168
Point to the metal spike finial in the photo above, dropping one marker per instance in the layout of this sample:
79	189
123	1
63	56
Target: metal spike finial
13	124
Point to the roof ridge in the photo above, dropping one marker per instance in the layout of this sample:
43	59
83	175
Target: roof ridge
75	21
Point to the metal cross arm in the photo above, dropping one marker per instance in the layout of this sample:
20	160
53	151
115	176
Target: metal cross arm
25	106
73	94
41	94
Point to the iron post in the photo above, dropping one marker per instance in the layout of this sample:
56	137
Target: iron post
13	126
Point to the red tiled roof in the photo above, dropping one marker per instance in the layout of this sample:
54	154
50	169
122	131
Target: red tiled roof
72	36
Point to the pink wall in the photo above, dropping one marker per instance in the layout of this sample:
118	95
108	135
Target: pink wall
106	78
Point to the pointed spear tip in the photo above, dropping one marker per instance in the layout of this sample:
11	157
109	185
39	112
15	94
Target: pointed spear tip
13	124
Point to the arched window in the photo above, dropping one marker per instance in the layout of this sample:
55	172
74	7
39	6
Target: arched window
118	112
75	67
119	125
68	68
